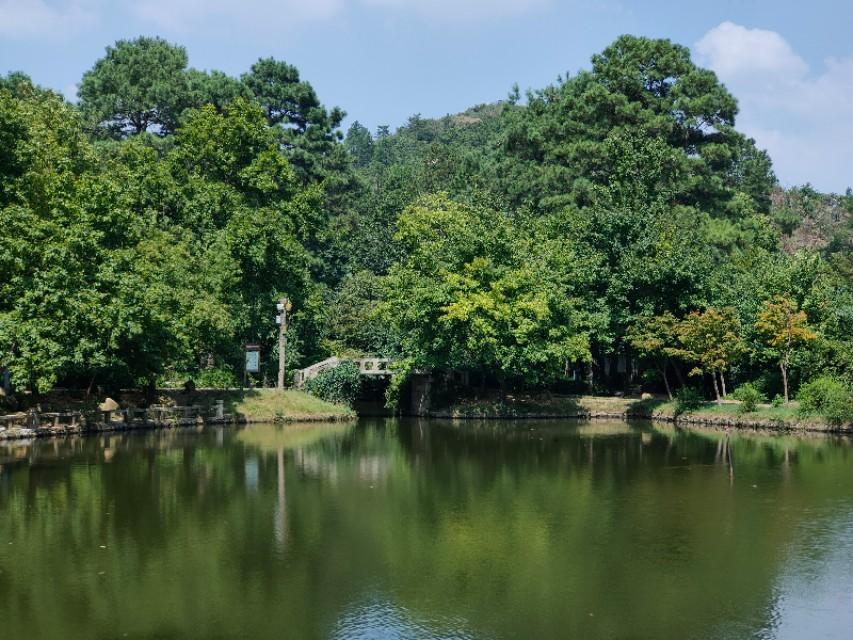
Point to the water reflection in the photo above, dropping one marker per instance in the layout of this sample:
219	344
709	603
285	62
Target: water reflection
279	438
813	596
427	529
382	619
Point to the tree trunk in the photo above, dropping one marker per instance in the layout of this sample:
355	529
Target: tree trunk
784	367
34	390
666	380
91	384
723	383
716	386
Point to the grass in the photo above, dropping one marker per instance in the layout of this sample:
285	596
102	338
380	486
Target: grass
762	411
262	405
728	409
268	405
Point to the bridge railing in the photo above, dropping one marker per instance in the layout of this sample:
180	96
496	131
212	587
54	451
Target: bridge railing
301	376
366	366
374	366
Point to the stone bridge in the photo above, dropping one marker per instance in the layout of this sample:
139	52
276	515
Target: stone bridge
377	367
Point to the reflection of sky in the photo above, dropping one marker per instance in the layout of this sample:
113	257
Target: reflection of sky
379	619
814	596
250	469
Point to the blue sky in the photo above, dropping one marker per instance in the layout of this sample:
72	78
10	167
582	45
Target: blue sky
790	64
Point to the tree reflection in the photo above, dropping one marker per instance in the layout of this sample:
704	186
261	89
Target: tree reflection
497	530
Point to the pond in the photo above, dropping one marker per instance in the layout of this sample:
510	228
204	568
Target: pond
427	530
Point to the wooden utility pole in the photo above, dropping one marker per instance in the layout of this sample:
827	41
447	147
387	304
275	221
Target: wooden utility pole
283	307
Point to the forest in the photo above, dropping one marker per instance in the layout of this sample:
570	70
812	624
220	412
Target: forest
538	242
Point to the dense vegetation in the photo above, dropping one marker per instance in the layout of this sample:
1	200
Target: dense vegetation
613	228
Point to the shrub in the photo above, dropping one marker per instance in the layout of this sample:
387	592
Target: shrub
828	397
687	399
749	397
220	378
777	401
340	385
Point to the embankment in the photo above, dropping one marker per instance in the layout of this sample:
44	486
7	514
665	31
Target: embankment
727	414
70	412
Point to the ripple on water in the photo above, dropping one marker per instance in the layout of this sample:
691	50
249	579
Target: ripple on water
380	619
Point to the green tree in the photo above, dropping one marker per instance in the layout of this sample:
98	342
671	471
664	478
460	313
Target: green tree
353	319
213	87
90	288
555	149
124	259
241	199
477	293
648	255
308	129
139	85
656	338
359	144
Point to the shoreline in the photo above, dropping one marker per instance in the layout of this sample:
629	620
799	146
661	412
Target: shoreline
205	407
686	421
25	433
269	407
614	408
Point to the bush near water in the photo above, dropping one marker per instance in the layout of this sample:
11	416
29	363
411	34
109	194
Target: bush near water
828	397
749	397
340	385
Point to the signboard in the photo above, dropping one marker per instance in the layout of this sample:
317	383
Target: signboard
253	358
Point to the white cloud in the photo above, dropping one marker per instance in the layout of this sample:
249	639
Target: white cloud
733	50
802	117
28	18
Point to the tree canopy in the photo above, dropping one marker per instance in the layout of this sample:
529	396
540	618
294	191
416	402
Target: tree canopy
137	85
595	234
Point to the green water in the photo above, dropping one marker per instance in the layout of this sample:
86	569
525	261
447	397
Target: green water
424	529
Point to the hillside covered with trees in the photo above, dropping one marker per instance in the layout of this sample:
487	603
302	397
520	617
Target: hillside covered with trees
614	228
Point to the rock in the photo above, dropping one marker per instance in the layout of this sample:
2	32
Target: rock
646	396
109	405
